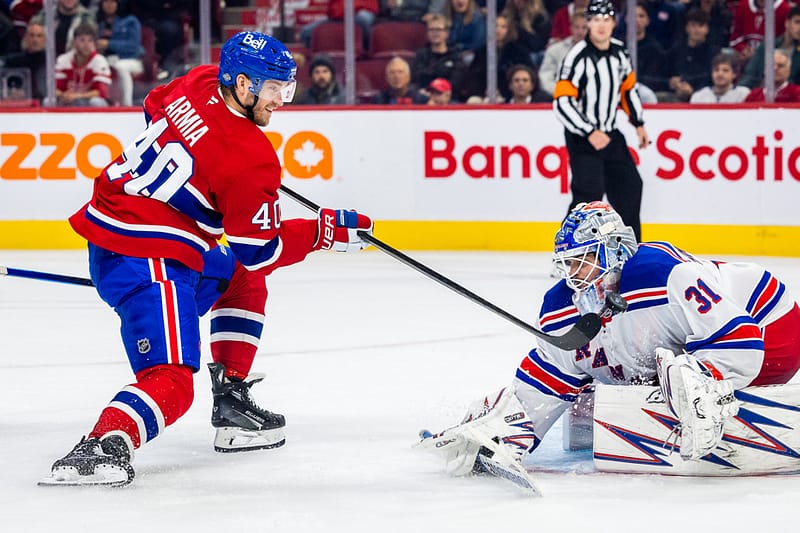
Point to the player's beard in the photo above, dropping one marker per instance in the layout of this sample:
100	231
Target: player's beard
261	115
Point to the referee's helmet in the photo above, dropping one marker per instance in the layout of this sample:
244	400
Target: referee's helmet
600	7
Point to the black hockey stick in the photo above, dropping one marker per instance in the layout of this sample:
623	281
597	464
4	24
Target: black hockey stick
46	276
579	335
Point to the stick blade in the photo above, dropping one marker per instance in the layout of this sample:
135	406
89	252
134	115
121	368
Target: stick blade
513	473
584	330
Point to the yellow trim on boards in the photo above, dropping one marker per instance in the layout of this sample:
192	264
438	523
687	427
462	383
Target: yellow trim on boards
538	237
39	235
471	235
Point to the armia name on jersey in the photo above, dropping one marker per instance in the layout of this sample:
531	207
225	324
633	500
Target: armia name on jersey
186	120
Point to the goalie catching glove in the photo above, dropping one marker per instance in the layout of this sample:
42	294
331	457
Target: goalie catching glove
701	403
339	229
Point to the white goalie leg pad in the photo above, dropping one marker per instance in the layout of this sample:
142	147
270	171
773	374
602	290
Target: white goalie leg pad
701	403
233	439
634	433
496	422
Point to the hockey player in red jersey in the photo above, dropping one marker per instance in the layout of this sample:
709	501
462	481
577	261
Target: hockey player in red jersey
202	167
700	329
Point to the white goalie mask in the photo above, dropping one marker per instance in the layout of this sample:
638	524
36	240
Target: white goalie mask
592	242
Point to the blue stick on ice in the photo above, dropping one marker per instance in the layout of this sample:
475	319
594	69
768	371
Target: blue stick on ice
46	276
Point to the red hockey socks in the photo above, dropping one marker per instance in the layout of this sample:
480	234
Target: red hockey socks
237	320
142	410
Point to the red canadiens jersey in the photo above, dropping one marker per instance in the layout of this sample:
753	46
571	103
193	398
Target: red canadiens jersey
748	23
197	171
789	92
94	75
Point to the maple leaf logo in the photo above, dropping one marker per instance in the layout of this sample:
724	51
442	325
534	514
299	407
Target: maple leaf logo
308	155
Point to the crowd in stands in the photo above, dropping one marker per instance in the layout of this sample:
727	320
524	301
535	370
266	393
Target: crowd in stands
703	51
119	41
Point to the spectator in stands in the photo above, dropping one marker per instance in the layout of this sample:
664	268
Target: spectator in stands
723	76
404	10
533	26
439	92
548	72
437	59
500	4
21	11
120	40
33	57
69	15
719	21
167	21
524	85
666	21
324	90
646	94
785	91
562	21
748	25
689	61
509	53
468	27
651	60
83	76
790	40
365	13
301	81
399	90
9	38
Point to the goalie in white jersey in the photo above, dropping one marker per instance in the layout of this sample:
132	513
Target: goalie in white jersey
698	328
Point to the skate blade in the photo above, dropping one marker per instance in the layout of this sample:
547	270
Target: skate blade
232	440
104	476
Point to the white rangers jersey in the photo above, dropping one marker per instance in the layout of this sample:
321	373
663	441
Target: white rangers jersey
713	310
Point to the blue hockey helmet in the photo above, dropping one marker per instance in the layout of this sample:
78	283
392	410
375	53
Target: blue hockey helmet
592	234
259	57
600	7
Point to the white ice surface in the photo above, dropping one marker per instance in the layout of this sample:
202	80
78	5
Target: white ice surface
360	352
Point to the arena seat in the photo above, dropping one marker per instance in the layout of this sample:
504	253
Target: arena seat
329	37
392	38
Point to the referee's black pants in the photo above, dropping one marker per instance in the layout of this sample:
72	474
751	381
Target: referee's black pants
610	172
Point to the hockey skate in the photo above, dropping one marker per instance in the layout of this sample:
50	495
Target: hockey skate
241	424
105	462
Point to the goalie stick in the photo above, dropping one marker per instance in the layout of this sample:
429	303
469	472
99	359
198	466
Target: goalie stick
514	473
584	330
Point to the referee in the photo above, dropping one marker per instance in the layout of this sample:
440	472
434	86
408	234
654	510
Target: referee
596	77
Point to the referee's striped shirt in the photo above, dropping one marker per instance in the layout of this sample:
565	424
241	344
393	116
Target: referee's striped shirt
592	84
